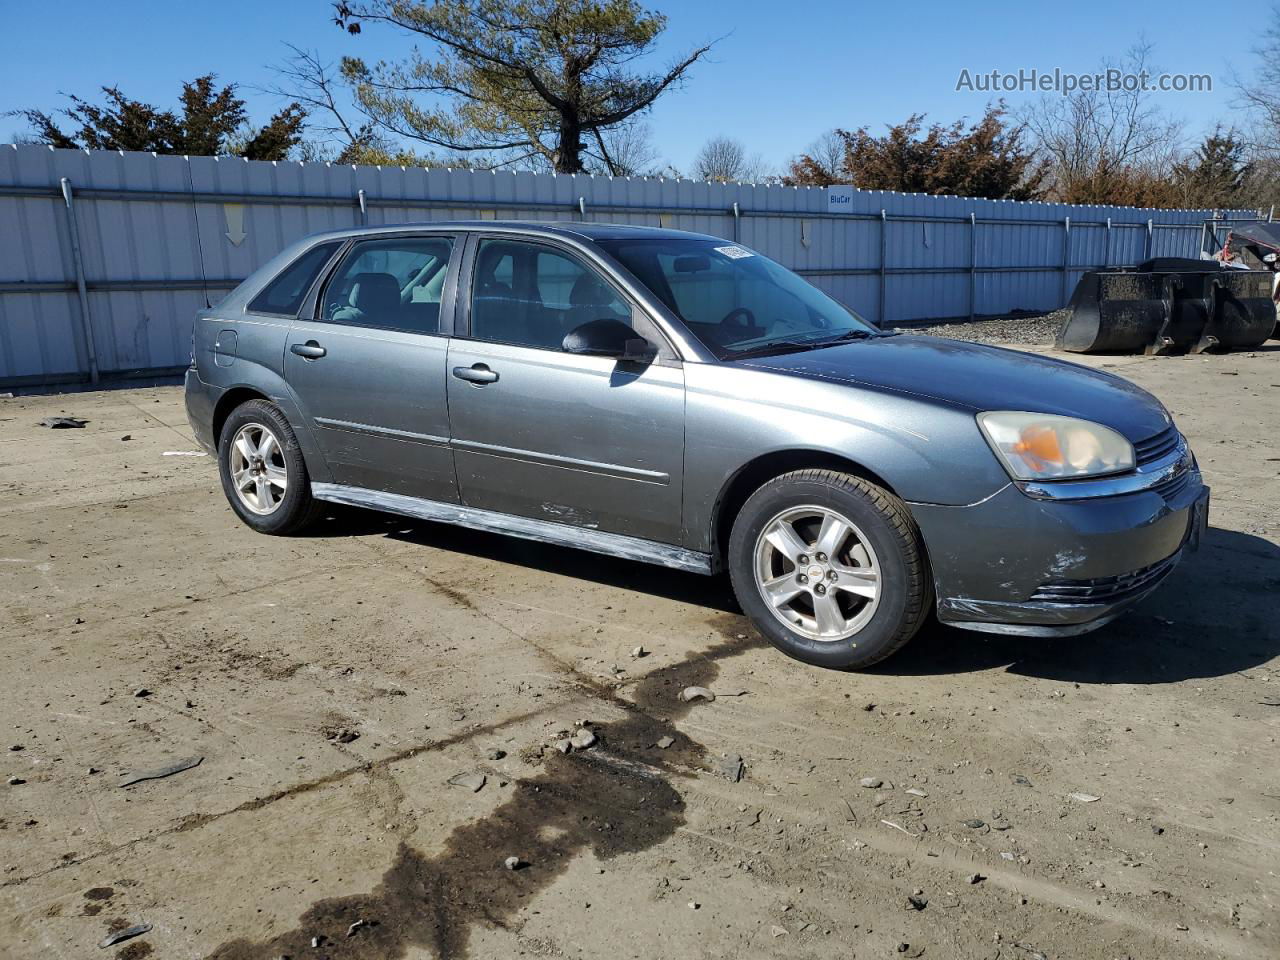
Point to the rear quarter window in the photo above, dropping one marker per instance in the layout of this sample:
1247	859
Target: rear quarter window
284	294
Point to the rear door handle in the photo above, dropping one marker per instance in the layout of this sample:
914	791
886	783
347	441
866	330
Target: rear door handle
309	350
477	373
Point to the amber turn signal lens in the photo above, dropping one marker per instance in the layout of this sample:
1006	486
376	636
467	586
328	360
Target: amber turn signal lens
1039	445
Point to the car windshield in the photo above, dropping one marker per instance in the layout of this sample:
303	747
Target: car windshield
735	301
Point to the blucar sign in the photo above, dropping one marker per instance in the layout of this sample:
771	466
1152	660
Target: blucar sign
840	199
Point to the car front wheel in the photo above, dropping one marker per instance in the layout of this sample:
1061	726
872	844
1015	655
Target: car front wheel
830	568
263	473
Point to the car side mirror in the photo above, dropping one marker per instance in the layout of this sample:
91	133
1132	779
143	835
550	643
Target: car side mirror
609	338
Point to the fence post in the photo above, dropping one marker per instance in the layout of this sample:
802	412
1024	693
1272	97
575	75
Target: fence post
973	264
884	254
86	321
1150	228
737	223
1106	257
582	207
1066	257
364	209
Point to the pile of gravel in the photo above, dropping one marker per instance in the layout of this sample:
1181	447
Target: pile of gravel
1034	330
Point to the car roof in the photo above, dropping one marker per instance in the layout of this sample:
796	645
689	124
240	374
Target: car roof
554	228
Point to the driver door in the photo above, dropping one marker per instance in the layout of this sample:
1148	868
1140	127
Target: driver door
537	432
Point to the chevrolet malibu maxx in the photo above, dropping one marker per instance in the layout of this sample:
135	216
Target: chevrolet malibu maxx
678	399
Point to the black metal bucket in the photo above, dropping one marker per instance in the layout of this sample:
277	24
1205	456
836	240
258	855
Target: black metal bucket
1169	304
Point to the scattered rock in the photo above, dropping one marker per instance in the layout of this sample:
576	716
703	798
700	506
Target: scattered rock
583	739
871	783
63	423
16	781
16	747
128	933
472	781
664	742
142	692
689	694
341	735
127	436
917	901
1085	797
694	905
974	823
778	931
731	767
975	878
564	746
916	792
1020	781
513	863
497	754
639	652
351	930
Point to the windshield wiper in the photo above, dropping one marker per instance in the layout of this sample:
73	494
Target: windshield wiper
795	346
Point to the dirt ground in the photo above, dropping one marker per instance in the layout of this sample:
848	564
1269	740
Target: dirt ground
333	685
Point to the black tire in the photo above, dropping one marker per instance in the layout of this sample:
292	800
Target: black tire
296	508
906	587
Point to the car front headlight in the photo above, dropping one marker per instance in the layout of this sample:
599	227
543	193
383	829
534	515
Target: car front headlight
1042	446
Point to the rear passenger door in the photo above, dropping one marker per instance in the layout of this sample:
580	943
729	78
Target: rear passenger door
368	369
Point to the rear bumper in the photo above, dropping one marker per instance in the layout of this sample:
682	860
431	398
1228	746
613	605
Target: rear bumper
1018	565
201	398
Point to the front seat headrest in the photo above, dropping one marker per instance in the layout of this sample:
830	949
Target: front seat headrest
375	293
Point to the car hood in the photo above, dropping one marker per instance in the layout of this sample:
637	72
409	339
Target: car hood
979	378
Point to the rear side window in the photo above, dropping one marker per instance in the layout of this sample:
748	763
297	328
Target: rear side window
396	283
284	294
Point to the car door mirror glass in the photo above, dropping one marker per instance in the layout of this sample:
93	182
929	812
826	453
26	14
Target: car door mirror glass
609	338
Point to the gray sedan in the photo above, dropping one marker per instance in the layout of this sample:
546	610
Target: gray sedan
682	400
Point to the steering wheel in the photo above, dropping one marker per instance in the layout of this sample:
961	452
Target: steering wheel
747	325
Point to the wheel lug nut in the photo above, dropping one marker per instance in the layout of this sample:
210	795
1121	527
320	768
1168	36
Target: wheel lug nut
819	589
820	557
832	575
801	578
802	559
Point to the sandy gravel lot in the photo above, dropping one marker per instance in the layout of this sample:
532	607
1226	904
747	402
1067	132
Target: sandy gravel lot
334	685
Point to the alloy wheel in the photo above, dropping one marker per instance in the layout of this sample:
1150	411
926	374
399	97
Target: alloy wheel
258	470
817	572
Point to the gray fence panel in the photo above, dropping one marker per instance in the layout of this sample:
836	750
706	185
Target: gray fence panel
159	235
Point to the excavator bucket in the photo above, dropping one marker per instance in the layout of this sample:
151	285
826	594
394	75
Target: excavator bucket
1169	304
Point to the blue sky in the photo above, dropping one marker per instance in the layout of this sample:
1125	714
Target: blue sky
782	73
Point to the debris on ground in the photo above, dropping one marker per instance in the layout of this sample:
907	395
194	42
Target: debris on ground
564	746
731	767
639	652
16	781
63	423
917	901
161	772
184	453
128	933
341	734
583	739
497	754
513	863
916	792
142	692
689	694
472	781
778	931
664	742
871	783
351	930
1085	797
975	878
973	823
1035	329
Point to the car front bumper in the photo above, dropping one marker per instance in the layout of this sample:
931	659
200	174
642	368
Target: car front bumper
1019	565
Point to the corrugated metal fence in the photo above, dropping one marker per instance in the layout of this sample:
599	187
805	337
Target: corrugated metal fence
105	257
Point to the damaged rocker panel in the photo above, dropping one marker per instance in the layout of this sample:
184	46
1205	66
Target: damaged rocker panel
545	531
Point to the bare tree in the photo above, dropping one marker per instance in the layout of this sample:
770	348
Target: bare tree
625	151
725	160
1106	146
824	159
1261	95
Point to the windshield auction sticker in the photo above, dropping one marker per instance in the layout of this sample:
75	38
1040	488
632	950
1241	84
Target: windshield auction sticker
734	253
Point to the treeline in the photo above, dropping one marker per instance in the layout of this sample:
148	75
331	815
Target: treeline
552	85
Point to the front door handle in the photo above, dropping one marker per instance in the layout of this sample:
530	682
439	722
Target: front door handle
477	373
309	350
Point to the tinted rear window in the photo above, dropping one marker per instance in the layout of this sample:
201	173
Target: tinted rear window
286	292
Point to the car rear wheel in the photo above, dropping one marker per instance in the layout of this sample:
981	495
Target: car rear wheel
263	473
830	568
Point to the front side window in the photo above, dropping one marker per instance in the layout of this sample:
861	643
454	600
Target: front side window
284	294
532	295
395	283
734	300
